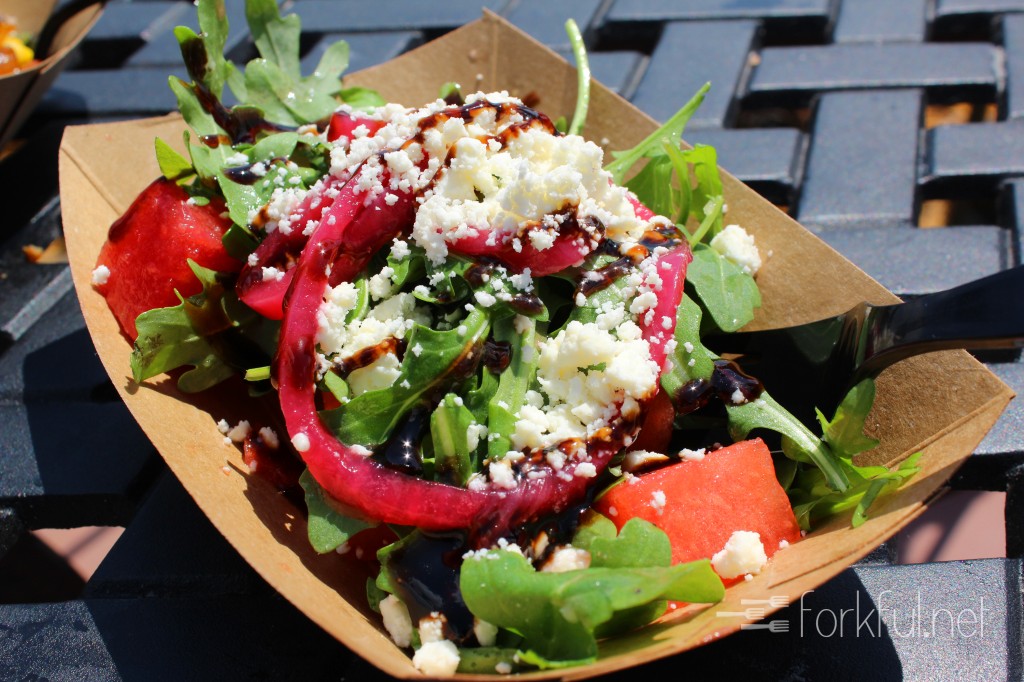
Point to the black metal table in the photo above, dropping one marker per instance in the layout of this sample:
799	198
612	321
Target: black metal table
828	108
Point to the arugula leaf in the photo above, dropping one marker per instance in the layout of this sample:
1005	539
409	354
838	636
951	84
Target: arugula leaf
845	436
449	430
639	543
652	146
243	199
764	413
690	359
274	81
369	418
213	25
337	386
845	433
168	338
197	118
729	294
484	659
799	442
707	189
276	38
173	165
362	98
557	613
813	502
212	331
513	383
327	528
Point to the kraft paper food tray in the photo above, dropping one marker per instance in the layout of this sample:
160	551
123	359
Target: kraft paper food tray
942	404
20	92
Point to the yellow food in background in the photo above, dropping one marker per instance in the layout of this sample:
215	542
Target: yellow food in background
14	53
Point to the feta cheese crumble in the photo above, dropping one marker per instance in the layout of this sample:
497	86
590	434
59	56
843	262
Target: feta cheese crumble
397	621
737	245
743	553
101	275
437	659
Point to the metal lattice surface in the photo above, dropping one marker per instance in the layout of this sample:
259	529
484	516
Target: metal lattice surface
894	129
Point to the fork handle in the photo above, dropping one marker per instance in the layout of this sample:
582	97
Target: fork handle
985	313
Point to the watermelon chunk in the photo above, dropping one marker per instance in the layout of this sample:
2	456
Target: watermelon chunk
701	503
148	248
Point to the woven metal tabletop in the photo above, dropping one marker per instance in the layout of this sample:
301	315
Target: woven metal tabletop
893	129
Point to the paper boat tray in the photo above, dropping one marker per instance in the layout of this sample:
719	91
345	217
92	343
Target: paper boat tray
20	92
942	404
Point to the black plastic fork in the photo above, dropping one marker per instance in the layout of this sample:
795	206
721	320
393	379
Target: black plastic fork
815	364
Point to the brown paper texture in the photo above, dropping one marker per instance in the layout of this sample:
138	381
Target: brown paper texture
20	92
943	404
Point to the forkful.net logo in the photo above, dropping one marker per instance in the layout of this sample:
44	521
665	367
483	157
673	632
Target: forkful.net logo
880	617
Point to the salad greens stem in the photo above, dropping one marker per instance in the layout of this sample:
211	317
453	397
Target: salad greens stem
579	51
257	373
671	132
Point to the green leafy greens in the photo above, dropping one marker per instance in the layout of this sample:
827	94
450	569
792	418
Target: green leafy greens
204	330
561	615
212	332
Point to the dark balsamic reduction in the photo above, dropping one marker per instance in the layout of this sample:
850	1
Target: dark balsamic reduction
595	280
497	355
365	357
467	112
725	380
426	572
526	304
214	140
402	450
244	175
479	272
242	124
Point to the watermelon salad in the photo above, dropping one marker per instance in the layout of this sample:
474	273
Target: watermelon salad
483	340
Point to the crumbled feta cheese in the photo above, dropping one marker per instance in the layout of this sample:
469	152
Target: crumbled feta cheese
400	249
438	659
584	371
658	501
381	373
737	245
501	474
101	275
272	275
692	455
486	633
511	189
240	432
567	558
485	299
269	437
431	628
585	470
743	553
301	442
635	460
397	621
